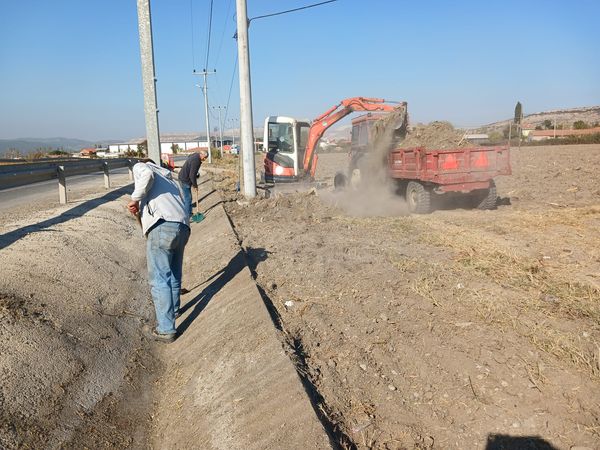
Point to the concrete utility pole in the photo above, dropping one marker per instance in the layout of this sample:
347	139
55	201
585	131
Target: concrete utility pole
246	131
220	129
148	79
204	88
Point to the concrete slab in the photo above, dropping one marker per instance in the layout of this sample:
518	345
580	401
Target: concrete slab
228	383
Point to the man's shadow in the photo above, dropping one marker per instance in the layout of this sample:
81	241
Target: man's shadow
219	280
506	442
9	238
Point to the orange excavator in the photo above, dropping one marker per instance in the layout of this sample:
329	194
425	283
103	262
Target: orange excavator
291	144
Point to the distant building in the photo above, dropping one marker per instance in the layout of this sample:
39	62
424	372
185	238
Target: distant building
541	135
477	138
526	128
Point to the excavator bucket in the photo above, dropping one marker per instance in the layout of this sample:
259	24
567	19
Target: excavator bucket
390	128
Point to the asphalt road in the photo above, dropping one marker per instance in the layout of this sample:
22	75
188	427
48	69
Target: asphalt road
47	191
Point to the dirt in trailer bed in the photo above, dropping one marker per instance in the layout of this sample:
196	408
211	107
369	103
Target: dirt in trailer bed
460	329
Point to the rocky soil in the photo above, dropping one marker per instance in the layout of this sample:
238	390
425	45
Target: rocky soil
75	367
459	329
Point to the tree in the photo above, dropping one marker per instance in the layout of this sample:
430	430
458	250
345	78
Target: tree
175	148
580	125
518	113
142	149
548	124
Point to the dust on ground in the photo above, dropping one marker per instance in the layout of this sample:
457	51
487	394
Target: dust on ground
75	368
453	330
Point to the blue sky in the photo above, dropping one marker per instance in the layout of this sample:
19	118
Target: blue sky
71	68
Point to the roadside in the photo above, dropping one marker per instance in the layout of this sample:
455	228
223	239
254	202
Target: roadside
75	369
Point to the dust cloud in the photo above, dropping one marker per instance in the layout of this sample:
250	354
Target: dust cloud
371	192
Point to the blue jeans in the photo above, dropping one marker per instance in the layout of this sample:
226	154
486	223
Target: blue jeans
164	252
186	190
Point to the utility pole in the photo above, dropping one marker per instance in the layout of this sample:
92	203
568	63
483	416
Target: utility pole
246	131
204	88
148	79
220	128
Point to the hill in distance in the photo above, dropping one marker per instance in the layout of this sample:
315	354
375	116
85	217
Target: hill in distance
30	145
564	117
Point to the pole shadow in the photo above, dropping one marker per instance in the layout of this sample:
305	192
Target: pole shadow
506	442
11	237
219	280
207	194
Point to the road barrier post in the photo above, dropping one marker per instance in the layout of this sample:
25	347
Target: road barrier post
62	185
106	175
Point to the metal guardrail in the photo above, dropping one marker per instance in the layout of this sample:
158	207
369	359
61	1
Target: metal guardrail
15	175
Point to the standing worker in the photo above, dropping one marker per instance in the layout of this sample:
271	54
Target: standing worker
166	225
188	177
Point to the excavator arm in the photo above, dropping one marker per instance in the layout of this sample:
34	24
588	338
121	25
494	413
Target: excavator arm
333	115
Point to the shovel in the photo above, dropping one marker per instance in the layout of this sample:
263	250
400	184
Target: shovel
198	217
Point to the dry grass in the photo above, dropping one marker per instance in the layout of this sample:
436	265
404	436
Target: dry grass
514	291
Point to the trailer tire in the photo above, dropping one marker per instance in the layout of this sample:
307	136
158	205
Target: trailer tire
486	198
418	198
339	181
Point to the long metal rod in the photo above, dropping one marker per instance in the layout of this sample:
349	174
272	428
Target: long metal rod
246	131
148	79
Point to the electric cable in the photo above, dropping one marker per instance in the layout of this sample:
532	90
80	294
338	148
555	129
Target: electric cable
292	10
231	85
192	27
210	14
223	33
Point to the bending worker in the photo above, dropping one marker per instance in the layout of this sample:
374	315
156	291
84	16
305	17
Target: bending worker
188	177
165	223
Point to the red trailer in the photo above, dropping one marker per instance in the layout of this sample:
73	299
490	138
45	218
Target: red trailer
423	172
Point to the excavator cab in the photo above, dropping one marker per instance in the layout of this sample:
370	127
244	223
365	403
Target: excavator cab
285	141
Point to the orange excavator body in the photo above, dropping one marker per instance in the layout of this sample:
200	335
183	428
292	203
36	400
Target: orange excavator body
333	115
316	131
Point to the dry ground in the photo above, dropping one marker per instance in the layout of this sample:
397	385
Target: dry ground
461	329
75	369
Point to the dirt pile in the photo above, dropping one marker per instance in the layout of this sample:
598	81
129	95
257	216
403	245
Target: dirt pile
436	135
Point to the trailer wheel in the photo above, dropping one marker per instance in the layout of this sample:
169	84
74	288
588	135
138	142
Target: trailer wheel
339	181
486	198
418	198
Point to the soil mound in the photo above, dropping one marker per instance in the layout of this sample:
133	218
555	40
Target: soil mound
438	135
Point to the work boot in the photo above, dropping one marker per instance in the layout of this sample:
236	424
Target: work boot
162	337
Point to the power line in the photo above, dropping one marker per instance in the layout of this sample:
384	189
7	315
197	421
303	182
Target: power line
192	27
291	10
231	85
209	33
223	33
